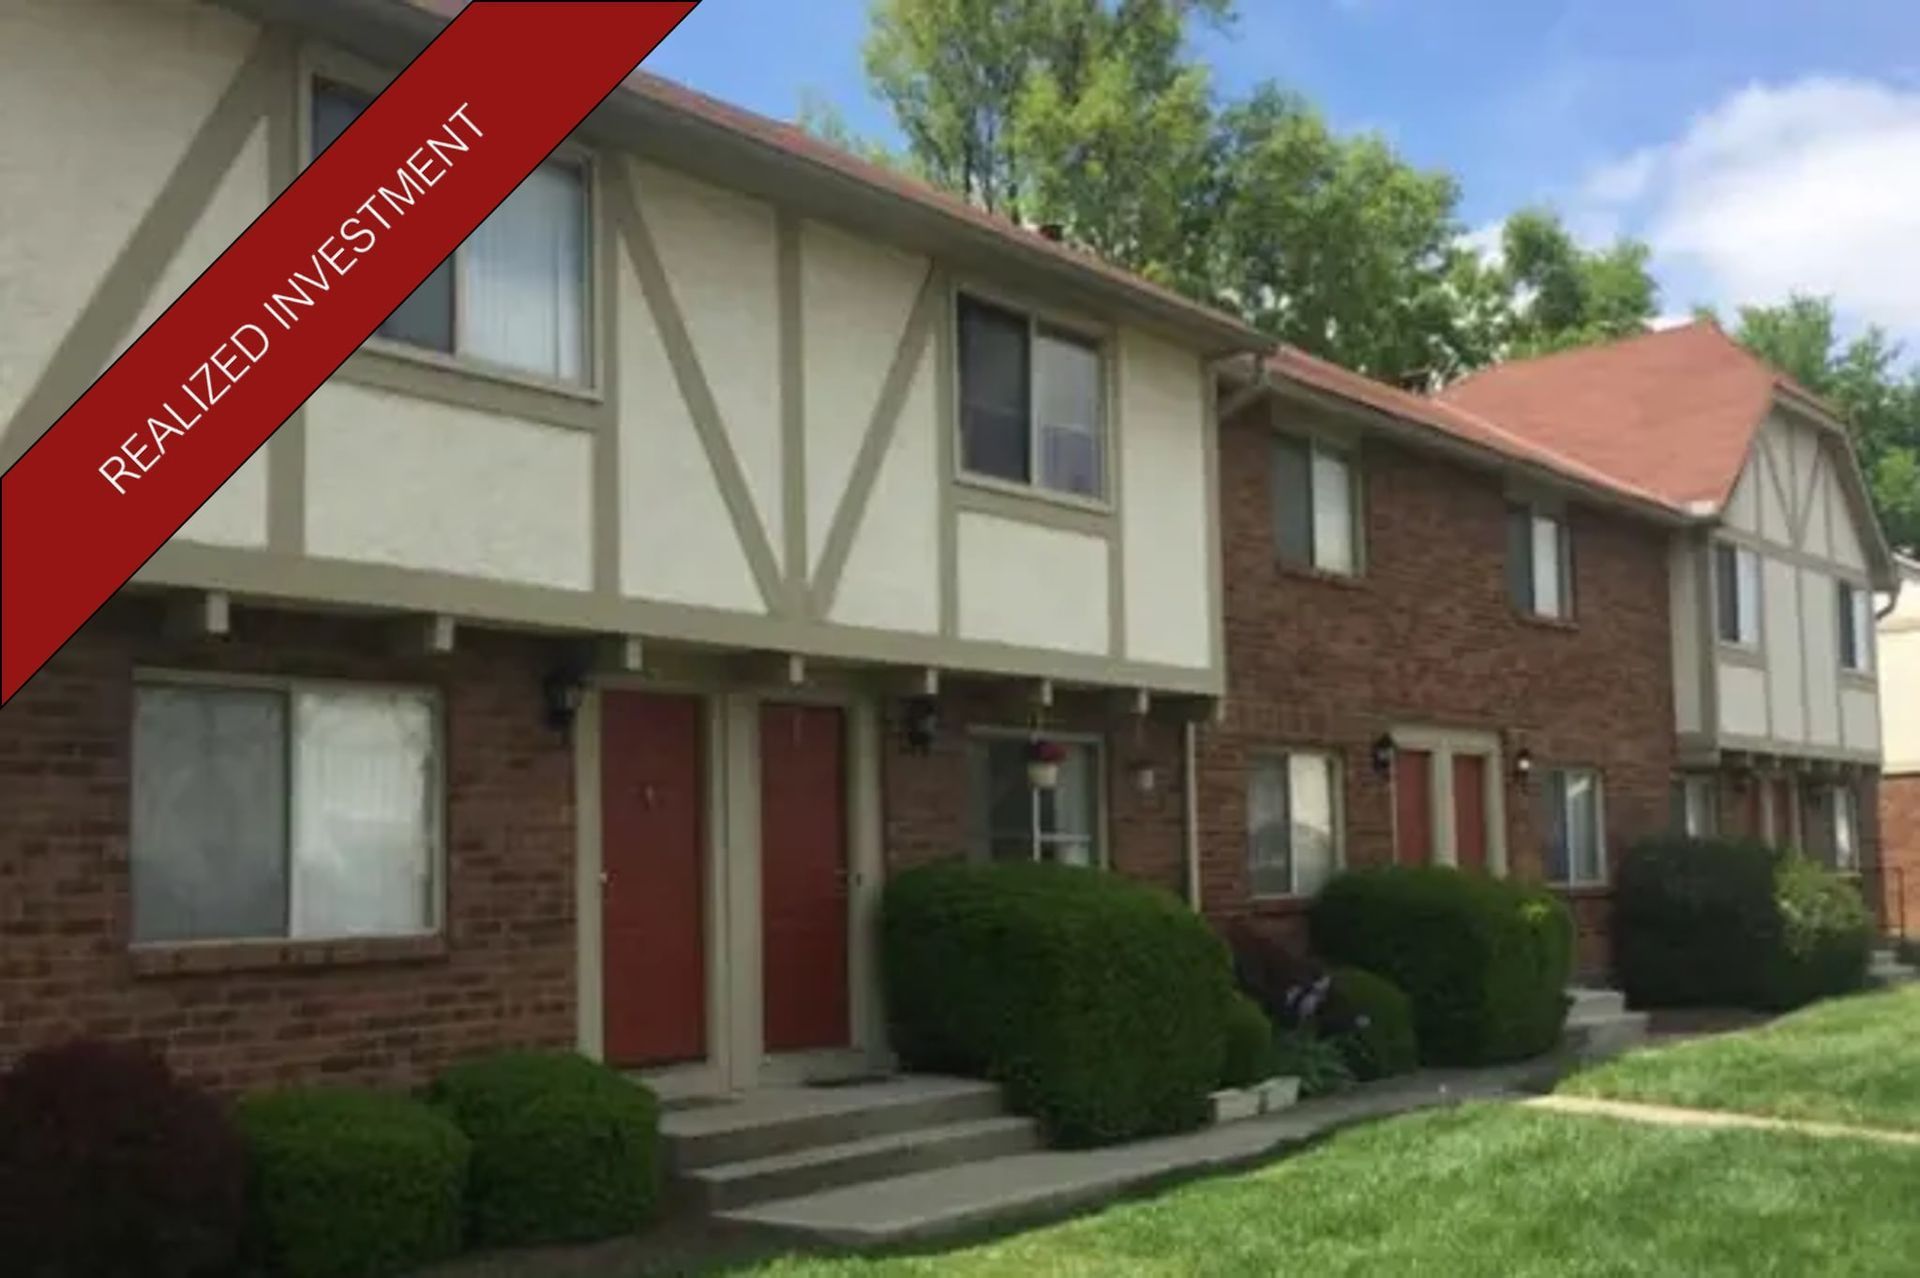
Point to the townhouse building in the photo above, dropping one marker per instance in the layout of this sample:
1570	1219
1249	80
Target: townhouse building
1775	677
1899	637
723	523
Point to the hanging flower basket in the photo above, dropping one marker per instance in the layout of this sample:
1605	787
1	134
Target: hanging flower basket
1043	764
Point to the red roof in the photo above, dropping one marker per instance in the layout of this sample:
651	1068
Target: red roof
1451	419
1672	412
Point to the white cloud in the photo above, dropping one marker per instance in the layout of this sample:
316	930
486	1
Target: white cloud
1812	186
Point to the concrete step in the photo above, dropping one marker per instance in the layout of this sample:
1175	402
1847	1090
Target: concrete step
1595	1037
733	1185
1591	1002
1885	968
776	1121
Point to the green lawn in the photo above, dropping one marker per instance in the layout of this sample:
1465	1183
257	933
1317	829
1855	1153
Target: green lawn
1489	1190
1853	1060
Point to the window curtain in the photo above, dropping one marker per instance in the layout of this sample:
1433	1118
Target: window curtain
1311	804
209	816
1067	394
1332	512
1547	597
365	814
522	291
1269	857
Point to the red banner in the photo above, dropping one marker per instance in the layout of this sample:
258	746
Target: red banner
297	293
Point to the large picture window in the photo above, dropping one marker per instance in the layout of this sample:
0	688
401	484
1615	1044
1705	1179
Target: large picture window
1032	403
301	811
1014	821
1293	823
514	295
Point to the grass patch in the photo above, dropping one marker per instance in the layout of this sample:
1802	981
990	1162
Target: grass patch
1488	1190
1853	1060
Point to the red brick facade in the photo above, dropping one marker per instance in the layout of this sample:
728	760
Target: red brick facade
1426	636
1899	822
235	1015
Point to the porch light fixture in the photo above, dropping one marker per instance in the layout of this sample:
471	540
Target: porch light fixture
1522	766
563	689
1144	778
1383	755
919	724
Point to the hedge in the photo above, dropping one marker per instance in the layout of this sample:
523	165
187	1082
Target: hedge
1484	961
350	1184
564	1149
1249	1044
1371	1019
109	1165
1734	922
1100	1004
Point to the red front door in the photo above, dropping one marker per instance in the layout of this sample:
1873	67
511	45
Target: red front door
652	898
803	876
1413	806
1470	811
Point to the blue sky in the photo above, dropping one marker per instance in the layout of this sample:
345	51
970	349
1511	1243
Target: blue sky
1759	145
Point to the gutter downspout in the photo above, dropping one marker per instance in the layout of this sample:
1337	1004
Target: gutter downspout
1190	814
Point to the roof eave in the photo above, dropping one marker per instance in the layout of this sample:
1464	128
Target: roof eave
392	32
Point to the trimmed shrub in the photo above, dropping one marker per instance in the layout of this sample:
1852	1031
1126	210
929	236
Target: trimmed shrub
1371	1019
347	1183
564	1148
1317	1062
1249	1053
1734	922
1484	961
109	1165
1100	1004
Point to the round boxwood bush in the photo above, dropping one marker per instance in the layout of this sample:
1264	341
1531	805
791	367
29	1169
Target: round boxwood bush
109	1165
1249	1049
345	1183
1484	961
1100	1004
1371	1019
564	1149
1735	923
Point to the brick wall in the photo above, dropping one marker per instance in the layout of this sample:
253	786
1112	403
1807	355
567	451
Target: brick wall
1426	636
236	1016
1899	822
925	795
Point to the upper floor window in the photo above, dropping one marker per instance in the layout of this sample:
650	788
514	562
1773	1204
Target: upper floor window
1032	402
1856	628
1293	823
1573	823
1736	592
514	295
1539	562
1015	820
296	810
1315	523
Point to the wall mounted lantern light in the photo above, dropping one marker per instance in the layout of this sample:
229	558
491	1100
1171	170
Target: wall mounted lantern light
1383	755
919	724
1522	766
562	690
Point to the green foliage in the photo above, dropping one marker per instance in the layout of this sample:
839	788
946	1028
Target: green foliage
1249	1050
1733	922
1371	1019
564	1149
1879	402
1485	961
351	1184
110	1165
1319	1063
1099	1003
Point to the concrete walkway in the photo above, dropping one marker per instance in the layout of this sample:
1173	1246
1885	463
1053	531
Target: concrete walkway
1676	1116
1024	1189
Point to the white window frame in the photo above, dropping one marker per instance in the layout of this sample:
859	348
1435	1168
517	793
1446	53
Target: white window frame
1604	869
289	687
981	834
1538	517
1318	450
1335	764
348	74
1745	587
1854	598
1066	329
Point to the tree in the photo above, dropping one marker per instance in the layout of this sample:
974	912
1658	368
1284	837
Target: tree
1563	295
1862	379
